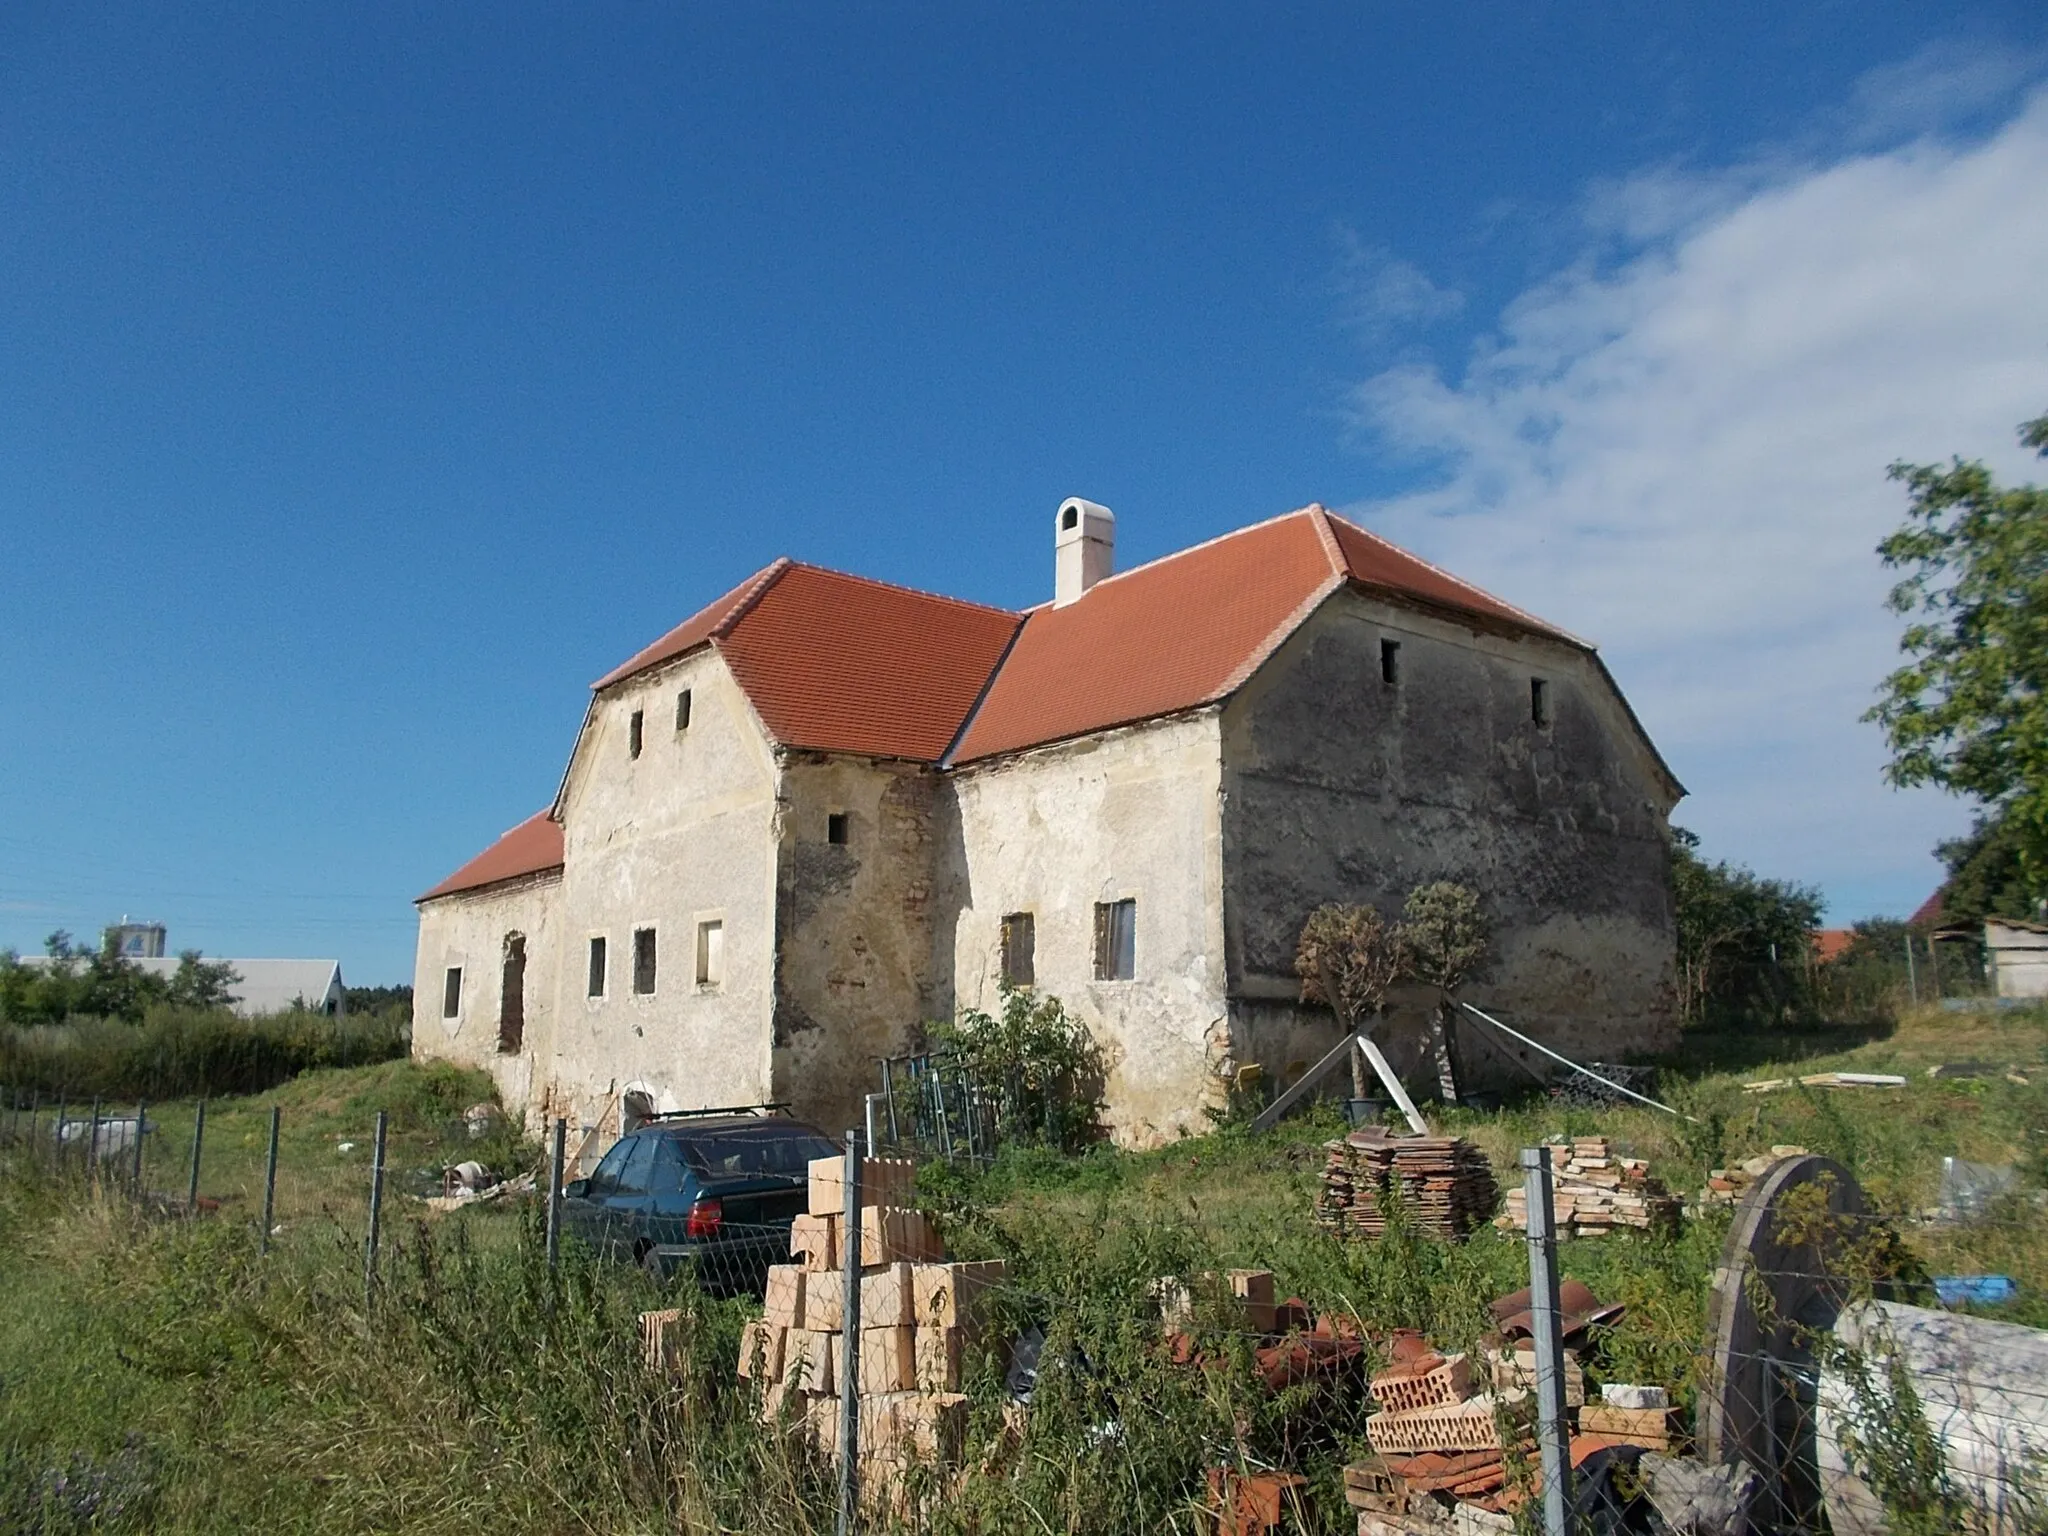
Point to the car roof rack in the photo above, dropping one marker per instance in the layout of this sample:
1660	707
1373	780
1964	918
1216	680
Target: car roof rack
763	1110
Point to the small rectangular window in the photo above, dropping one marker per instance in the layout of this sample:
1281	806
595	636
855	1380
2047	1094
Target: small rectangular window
597	967
1116	940
643	961
633	731
1390	662
451	993
683	710
835	828
1019	940
1539	701
710	953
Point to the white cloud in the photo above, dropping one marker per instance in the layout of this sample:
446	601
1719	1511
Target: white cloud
1380	293
1682	457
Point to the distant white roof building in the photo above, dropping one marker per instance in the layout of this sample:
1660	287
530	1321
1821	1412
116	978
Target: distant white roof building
272	986
2018	953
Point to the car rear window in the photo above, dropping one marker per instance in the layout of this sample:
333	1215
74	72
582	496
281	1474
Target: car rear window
748	1151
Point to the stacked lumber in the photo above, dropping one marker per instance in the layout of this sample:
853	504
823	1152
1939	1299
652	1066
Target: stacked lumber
918	1317
1444	1183
1725	1186
1594	1190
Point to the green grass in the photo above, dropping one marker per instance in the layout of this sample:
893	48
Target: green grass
174	1381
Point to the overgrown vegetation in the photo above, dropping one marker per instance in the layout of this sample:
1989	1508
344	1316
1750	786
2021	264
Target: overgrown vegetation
1036	1061
159	1377
187	1052
1743	942
73	982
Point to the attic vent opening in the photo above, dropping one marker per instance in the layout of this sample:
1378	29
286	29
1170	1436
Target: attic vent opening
634	733
835	828
1390	662
1539	702
1071	518
683	710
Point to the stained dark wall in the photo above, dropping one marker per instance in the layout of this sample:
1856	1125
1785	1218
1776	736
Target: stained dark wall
1339	787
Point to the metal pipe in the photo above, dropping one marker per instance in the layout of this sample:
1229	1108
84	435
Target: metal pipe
270	1179
376	1210
198	1140
1912	972
92	1144
889	1088
1547	1331
849	1355
141	1121
556	1154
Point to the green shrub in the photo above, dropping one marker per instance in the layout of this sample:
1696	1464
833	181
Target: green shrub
185	1052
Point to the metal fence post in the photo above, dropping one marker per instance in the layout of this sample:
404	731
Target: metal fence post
849	1357
270	1179
1548	1336
57	1138
141	1120
198	1140
92	1144
376	1210
555	1155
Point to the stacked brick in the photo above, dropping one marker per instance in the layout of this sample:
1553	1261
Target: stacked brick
918	1317
1594	1190
1445	1184
1725	1186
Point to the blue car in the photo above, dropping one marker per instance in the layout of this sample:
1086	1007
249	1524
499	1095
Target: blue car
712	1190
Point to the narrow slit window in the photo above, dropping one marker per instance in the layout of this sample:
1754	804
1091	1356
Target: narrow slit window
512	997
451	992
1539	702
683	710
1116	940
643	961
634	731
710	953
1390	662
597	967
1019	941
835	828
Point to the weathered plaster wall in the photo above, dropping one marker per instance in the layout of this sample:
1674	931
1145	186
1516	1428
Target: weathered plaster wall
853	978
470	930
684	833
1342	788
1130	813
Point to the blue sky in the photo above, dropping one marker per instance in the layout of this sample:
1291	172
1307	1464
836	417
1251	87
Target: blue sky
370	382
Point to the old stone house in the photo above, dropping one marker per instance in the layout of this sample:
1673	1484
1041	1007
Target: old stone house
825	809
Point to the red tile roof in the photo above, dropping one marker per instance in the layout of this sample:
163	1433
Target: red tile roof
531	847
839	663
1189	628
1929	914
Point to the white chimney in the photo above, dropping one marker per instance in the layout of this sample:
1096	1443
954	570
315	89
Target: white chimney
1083	549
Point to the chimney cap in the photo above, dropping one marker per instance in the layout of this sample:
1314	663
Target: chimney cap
1079	519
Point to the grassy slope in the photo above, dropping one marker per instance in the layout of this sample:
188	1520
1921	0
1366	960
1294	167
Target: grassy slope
263	1395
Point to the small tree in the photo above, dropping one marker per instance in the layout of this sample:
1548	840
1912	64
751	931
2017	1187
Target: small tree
1445	938
1040	1061
1349	957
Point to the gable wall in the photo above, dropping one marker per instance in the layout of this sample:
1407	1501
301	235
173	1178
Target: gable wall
683	833
1339	788
1128	813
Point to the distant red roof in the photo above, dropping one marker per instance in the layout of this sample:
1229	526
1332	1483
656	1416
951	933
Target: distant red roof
1189	628
530	848
1830	942
1928	913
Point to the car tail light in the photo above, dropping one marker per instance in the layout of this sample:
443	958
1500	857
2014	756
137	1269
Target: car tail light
705	1217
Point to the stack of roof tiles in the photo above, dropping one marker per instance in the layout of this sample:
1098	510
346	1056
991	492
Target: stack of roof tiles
918	1318
1593	1191
1444	1185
